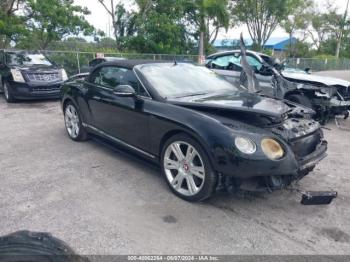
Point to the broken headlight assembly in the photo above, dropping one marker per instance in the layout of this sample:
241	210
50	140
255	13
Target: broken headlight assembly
272	149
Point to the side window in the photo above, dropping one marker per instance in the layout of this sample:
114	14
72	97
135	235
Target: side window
254	62
131	79
111	77
224	61
108	76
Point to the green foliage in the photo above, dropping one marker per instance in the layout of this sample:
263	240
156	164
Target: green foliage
158	28
263	16
12	27
207	16
52	20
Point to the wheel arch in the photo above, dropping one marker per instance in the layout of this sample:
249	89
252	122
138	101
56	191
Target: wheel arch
193	136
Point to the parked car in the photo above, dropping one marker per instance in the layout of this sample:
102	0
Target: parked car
204	132
26	75
329	97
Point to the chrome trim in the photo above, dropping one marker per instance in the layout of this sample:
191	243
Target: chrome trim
117	140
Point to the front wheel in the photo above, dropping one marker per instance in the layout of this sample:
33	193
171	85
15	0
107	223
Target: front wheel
74	125
7	92
187	169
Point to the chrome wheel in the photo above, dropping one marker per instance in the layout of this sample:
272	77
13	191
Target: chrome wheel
72	121
184	168
6	91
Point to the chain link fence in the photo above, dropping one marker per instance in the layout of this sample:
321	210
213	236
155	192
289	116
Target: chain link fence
77	62
317	64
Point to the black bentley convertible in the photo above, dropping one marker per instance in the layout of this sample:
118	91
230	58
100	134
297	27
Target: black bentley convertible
205	133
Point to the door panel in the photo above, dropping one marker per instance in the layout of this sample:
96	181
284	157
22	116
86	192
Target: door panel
121	117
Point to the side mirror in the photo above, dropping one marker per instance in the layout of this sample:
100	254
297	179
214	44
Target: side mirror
308	70
2	66
124	91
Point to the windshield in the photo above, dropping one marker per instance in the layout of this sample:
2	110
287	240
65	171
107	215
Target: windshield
21	59
182	80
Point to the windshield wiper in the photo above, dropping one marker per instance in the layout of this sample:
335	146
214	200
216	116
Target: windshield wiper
189	95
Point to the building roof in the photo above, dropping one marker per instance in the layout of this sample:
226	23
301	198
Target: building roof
277	43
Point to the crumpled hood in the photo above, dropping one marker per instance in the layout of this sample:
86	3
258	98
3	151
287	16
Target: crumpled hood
238	102
329	81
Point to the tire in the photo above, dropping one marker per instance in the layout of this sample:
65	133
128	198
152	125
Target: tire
300	99
73	123
190	178
33	246
7	93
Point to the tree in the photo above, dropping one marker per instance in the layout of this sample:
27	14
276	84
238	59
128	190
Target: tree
340	31
208	16
158	28
262	17
298	20
11	25
52	20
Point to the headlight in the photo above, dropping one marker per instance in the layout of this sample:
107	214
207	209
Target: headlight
272	149
245	145
64	75
17	76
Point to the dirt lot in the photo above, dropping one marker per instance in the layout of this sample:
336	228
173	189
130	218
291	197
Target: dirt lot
106	202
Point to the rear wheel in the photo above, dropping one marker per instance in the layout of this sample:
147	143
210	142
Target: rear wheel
74	125
187	169
7	92
300	99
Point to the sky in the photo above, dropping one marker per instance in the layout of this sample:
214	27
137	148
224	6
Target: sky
101	20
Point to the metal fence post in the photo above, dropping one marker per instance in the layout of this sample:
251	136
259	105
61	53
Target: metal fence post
78	62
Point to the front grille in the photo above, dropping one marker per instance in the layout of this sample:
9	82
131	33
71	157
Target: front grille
43	77
46	89
306	145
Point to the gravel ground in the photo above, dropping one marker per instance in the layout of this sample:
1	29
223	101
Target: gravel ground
102	201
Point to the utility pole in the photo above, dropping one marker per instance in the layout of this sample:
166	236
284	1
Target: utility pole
201	48
337	53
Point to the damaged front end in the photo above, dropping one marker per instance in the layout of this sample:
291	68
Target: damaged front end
329	102
305	139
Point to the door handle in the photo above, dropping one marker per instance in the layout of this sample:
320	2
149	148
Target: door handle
97	98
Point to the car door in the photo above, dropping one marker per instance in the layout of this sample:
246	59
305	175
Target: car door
118	117
227	66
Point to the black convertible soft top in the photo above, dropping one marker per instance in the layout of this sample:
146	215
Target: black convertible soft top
130	64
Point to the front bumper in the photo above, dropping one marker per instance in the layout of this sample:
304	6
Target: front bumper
35	91
314	158
290	165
